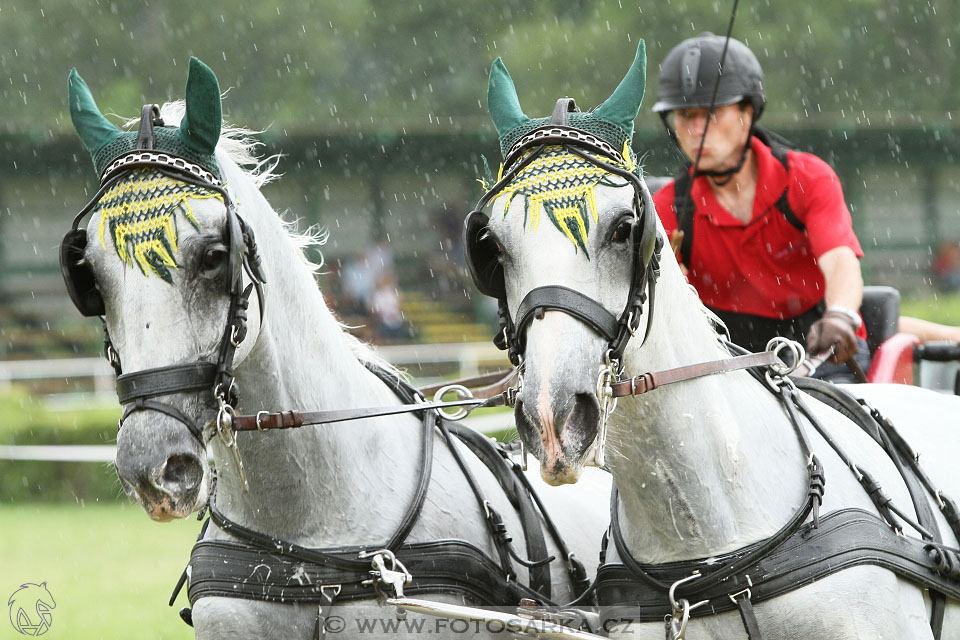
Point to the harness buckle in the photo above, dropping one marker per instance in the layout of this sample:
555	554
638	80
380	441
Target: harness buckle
394	576
630	328
462	394
235	336
510	394
733	596
793	349
334	590
676	621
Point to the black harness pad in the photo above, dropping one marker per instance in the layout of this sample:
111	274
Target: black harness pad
845	538
236	570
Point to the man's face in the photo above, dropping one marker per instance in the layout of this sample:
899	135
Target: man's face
726	135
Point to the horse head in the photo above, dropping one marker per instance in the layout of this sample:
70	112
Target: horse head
569	252
161	261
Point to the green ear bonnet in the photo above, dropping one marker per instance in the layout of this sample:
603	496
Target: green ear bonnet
611	122
194	141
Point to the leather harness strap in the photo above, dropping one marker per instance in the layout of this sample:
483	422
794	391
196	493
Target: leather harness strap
578	305
292	419
496	395
222	568
191	376
236	570
649	381
490	384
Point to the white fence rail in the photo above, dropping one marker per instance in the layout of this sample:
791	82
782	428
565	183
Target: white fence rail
466	359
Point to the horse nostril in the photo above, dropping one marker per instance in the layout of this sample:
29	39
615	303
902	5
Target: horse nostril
585	413
181	473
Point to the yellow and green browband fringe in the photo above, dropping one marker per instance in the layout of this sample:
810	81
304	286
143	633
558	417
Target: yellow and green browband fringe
139	213
562	184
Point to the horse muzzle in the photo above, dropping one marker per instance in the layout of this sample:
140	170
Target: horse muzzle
168	484
560	431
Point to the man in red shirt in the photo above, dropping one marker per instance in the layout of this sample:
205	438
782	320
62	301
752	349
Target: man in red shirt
762	229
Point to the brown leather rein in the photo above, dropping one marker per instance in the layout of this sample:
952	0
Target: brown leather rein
649	381
497	392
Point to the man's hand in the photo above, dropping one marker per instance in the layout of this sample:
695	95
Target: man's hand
835	330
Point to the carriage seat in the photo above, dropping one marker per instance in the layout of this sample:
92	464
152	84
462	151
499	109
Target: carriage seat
881	314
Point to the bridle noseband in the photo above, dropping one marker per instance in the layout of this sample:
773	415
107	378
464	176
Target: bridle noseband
138	391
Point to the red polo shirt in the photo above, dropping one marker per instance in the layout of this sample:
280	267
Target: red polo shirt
766	267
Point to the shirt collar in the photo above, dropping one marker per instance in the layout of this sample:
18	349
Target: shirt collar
771	182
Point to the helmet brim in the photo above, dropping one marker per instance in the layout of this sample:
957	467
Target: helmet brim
662	106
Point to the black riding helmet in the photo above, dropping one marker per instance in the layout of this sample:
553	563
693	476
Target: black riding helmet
689	74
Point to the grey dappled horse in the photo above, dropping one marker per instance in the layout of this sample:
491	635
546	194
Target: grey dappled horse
164	252
705	466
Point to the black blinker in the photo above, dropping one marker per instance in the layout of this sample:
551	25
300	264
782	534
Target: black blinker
481	254
77	274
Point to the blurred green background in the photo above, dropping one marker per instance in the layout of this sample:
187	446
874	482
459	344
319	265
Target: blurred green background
377	108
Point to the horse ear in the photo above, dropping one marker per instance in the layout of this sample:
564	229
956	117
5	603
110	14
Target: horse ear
622	107
200	128
95	130
502	100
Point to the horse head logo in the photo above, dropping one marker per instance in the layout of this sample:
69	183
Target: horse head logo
30	607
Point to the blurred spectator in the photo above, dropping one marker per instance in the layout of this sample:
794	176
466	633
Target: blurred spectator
385	308
358	283
361	274
946	267
447	267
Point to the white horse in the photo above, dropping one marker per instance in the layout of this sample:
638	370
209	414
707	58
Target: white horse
348	484
705	466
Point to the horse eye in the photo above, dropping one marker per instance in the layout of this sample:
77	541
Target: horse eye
213	258
623	231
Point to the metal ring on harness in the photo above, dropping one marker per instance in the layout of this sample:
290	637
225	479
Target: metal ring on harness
462	394
779	344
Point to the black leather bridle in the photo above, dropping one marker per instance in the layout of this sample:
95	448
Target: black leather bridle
487	272
138	391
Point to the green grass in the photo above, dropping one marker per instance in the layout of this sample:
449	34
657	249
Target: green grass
943	308
109	568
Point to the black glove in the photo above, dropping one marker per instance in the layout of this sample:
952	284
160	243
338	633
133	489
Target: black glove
833	330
